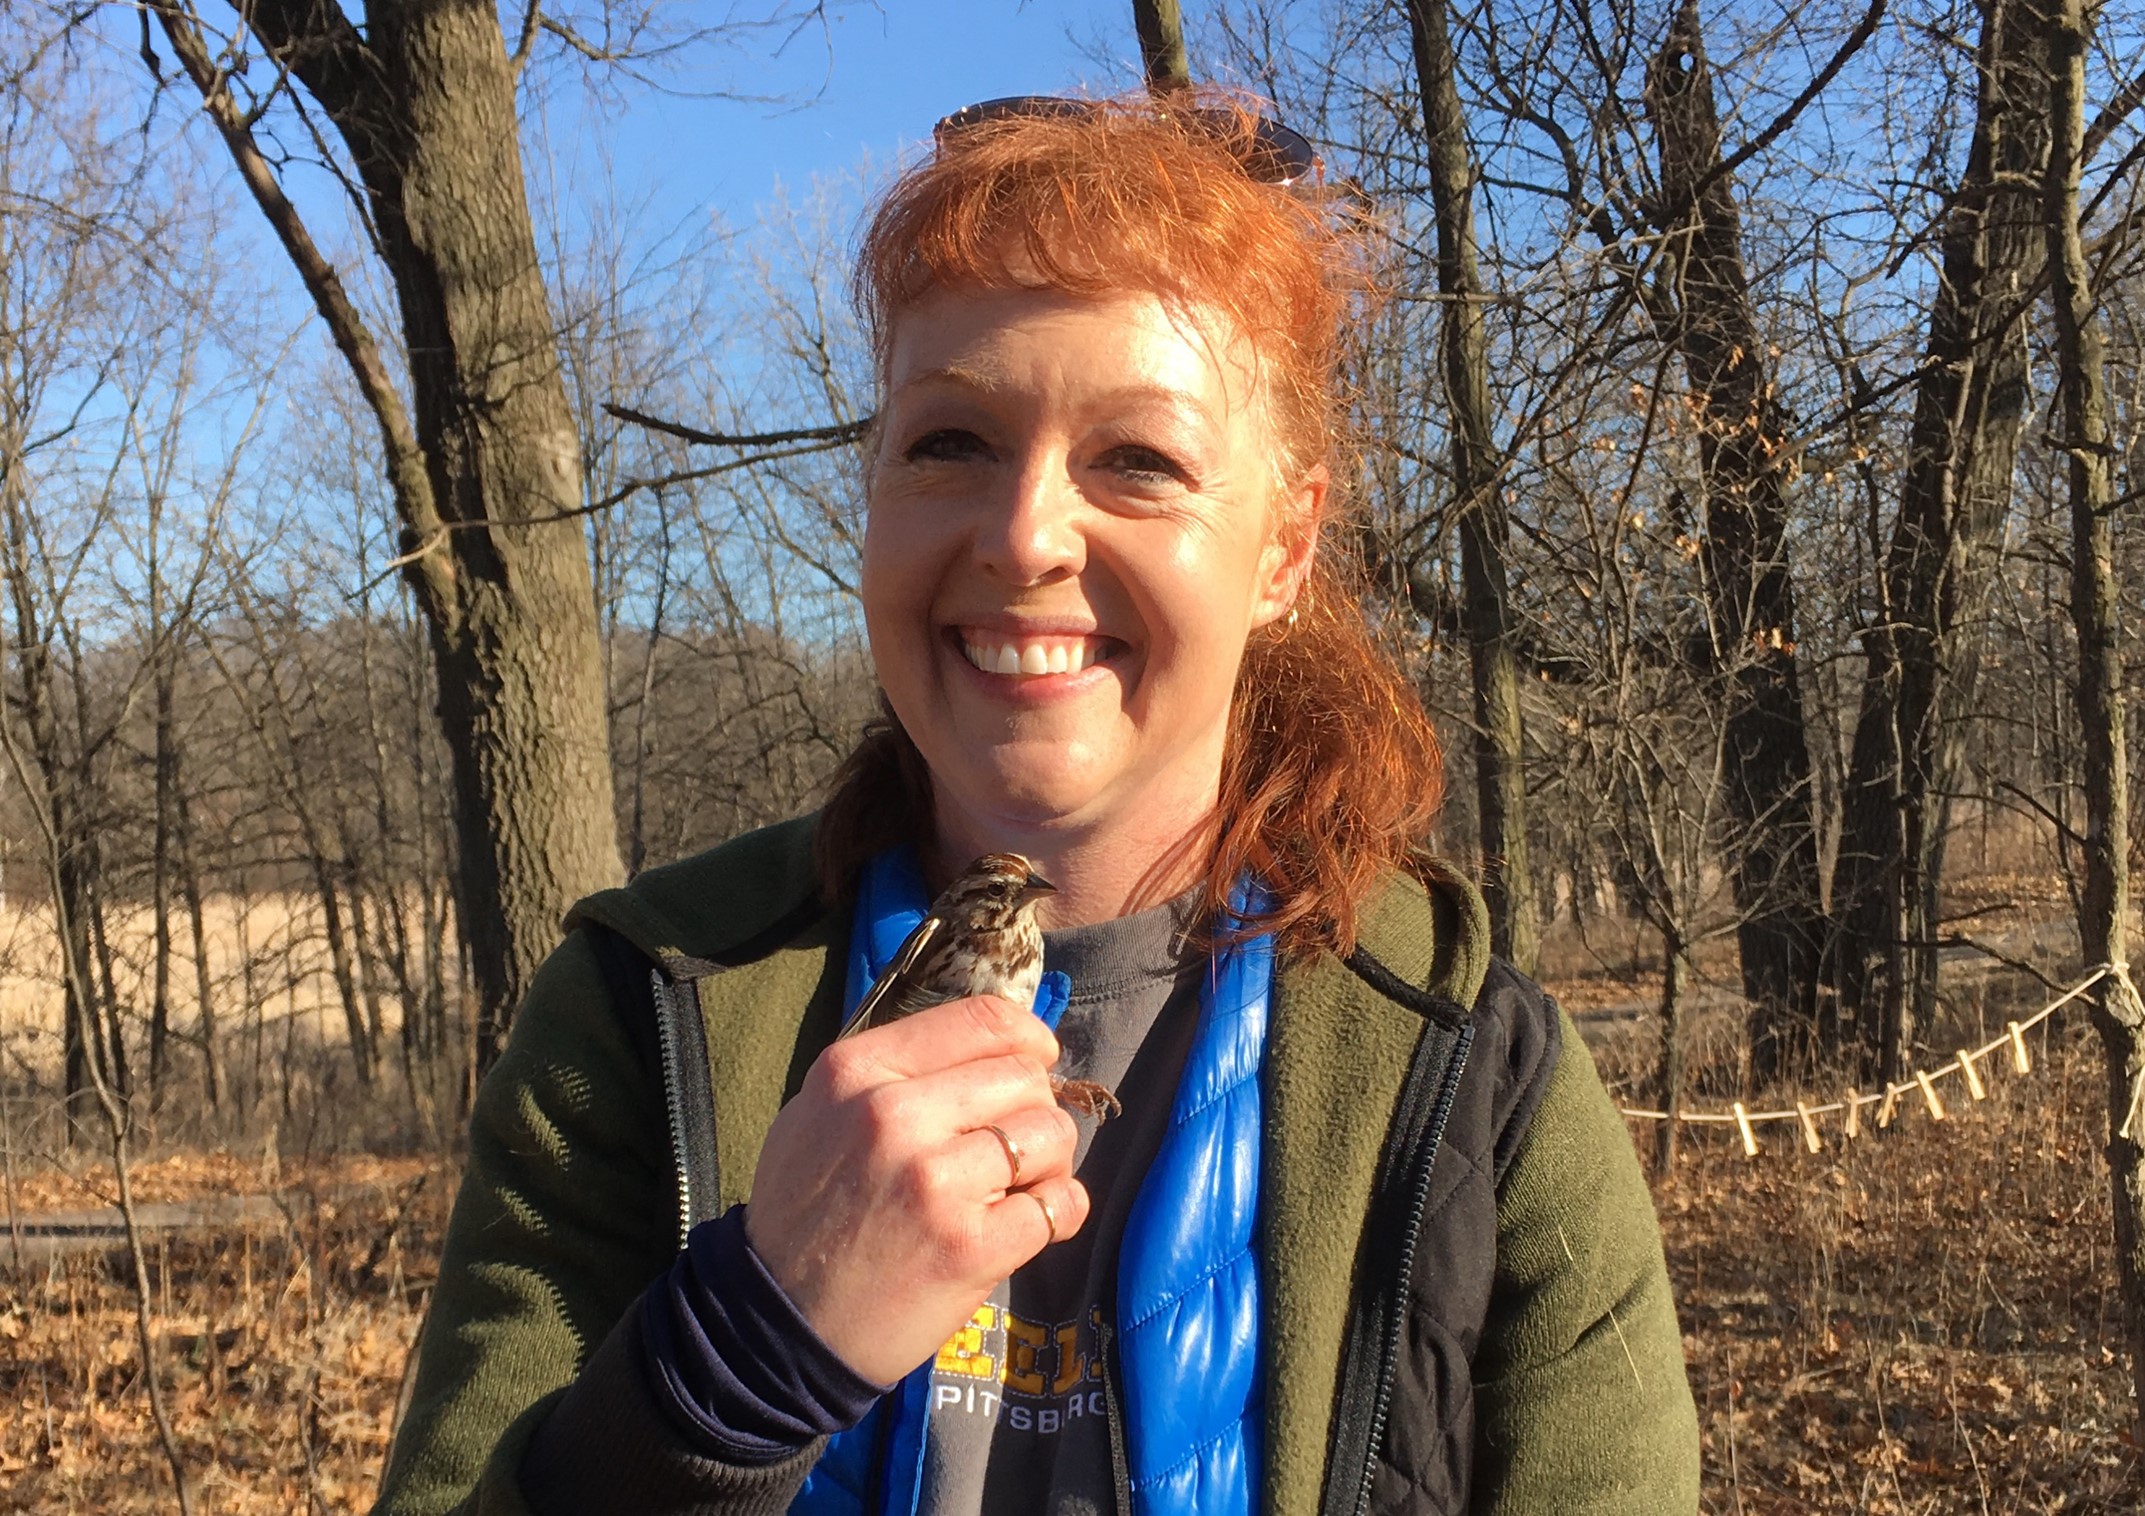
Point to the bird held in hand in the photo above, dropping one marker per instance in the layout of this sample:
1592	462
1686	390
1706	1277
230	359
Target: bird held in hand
980	937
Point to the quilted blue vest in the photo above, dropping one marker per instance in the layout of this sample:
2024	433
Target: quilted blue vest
1188	1304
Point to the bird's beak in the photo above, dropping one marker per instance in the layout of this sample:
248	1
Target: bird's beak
1038	885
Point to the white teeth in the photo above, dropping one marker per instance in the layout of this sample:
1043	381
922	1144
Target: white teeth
1033	659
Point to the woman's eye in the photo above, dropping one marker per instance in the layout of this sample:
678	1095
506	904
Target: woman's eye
948	444
1143	463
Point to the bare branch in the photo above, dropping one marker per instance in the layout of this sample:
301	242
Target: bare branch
345	325
531	20
847	431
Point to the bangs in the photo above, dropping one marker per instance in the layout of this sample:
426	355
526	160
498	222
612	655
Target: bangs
1122	196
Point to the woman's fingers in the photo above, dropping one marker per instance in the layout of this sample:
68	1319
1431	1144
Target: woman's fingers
1036	1216
933	1107
1021	1148
886	1202
943	1037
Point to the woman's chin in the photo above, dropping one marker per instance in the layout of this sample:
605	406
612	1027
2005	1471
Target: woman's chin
1005	789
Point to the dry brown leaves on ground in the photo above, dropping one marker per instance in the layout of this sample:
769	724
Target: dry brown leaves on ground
1910	1325
1918	1322
281	1343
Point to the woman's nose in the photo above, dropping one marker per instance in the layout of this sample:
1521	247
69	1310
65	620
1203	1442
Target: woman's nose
1032	534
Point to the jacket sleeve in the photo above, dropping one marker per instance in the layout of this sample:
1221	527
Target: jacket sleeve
1583	1407
565	1215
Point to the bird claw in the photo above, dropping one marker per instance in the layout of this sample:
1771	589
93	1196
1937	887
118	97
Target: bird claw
1086	1097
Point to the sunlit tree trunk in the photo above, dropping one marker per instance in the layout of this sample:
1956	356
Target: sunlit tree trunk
1924	632
483	462
2105	899
1767	773
1463	352
1160	24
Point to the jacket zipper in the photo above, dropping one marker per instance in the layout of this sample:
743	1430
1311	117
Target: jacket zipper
1120	1459
1424	1160
674	1101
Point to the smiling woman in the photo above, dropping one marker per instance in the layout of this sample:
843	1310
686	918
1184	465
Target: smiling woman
1367	1235
1073	535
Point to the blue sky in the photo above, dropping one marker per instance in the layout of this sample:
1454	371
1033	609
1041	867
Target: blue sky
873	83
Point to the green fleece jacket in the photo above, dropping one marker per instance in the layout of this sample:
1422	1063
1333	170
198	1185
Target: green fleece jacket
567	1211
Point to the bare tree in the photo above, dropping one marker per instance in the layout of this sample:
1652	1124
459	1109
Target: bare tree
1478	498
1971	398
1752	636
2104	915
1160	24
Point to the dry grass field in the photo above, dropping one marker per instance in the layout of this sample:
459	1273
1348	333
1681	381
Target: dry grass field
272	938
1911	1324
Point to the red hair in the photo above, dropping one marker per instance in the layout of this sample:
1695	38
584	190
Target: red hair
1332	773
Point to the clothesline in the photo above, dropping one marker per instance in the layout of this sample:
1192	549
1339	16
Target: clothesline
1967	1062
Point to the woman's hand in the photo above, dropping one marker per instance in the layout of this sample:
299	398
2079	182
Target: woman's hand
881	1202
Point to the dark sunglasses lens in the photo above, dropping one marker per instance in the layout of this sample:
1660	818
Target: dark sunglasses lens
1277	154
1283	155
1005	108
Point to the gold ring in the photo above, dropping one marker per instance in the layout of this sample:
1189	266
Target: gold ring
1050	1218
1012	1153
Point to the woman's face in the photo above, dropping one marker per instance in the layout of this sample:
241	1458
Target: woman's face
1073	531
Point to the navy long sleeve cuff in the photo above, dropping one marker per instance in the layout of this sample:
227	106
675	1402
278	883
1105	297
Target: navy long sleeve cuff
732	1360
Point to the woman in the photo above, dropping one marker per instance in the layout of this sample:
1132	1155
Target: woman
1368	1235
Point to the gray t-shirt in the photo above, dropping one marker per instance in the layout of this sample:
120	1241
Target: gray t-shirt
1017	1417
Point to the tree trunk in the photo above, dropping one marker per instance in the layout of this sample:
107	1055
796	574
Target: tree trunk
1160	24
339	965
484	466
1970	404
1668	1065
160	870
34	697
204	983
1768	780
1500	779
2105	899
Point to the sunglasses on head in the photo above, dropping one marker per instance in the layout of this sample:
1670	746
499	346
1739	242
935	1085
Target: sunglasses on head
1276	155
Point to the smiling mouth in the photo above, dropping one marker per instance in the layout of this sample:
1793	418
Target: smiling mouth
1035	657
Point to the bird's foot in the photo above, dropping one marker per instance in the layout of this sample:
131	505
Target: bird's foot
1086	1097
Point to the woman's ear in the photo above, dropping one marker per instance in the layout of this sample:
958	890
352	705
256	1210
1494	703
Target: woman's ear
1285	562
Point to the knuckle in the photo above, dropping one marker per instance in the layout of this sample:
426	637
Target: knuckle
1021	1077
1073	1208
921	1188
882	1114
926	1183
839	1072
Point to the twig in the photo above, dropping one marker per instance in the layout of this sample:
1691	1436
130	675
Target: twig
438	535
846	431
1960	939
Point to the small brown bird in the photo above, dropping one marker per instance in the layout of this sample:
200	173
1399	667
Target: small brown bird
979	938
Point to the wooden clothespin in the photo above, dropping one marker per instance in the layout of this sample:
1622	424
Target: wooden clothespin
1936	1106
1887	1106
1854	1114
1742	1124
1810	1139
2137	1097
2020	1058
1974	1086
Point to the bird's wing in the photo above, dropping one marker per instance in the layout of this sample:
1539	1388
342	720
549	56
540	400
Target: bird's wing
890	989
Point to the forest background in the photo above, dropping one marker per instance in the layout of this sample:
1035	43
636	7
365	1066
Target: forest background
428	492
